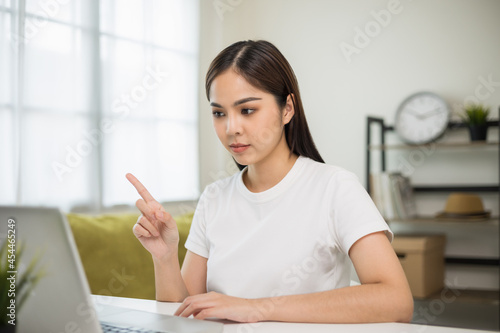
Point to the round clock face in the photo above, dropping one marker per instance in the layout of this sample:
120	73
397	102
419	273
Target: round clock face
422	118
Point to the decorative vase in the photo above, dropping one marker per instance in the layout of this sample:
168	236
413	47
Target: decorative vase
478	132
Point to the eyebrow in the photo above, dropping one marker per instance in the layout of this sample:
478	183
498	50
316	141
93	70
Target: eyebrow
241	101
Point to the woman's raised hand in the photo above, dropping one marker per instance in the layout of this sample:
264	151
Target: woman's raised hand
155	228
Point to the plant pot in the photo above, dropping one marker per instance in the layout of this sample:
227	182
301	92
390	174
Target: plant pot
478	132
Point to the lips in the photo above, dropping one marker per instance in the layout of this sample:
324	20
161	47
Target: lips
238	147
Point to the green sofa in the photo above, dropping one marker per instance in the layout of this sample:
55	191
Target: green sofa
115	262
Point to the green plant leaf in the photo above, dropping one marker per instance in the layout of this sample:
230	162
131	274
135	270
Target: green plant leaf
475	114
25	282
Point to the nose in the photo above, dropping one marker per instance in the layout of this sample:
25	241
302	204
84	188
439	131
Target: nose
233	126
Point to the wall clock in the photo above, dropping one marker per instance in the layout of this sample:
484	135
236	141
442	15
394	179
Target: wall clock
422	118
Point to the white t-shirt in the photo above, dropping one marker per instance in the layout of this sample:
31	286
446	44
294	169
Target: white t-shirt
293	238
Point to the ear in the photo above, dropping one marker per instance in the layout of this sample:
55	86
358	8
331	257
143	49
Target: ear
289	110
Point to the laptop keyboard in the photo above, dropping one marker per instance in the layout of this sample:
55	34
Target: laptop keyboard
108	328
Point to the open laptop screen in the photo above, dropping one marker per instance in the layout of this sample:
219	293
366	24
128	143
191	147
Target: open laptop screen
60	301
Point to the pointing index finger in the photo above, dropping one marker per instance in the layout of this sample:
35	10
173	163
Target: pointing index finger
143	192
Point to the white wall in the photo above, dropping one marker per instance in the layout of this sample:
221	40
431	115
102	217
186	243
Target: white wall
442	46
211	42
449	47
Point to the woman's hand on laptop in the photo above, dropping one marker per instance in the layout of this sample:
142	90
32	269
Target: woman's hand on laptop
155	228
215	305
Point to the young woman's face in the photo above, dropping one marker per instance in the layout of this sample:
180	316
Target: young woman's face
248	121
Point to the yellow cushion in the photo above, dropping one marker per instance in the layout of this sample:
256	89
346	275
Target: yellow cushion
115	262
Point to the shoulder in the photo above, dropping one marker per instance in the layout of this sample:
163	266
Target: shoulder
215	194
327	172
220	187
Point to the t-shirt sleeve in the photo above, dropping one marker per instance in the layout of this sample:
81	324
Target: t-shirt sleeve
353	212
197	241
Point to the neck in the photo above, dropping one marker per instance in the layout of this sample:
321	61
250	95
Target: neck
267	173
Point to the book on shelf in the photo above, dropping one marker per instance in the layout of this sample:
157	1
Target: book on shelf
392	193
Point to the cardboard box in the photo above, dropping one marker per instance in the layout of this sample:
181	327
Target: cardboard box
422	258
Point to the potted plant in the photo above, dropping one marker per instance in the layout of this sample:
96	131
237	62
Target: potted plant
24	283
476	118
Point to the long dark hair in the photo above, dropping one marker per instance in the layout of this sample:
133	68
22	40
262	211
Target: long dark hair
264	67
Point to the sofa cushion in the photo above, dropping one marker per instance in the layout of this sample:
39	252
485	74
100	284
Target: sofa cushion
115	262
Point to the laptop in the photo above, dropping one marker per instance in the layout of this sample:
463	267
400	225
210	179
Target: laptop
61	301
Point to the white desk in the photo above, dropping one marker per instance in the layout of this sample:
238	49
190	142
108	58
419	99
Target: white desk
169	308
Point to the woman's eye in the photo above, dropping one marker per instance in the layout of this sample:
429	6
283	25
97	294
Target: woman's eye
217	114
247	111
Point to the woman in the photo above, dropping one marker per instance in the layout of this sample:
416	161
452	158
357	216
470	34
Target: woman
273	242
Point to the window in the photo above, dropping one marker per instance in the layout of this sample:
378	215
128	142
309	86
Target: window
91	90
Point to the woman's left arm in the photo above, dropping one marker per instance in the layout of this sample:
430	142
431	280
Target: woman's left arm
383	296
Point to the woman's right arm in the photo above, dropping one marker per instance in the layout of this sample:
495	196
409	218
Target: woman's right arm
157	232
190	281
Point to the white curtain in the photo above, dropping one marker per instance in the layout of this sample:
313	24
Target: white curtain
91	90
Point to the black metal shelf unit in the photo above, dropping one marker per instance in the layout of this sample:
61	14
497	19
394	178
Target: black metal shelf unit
384	129
381	149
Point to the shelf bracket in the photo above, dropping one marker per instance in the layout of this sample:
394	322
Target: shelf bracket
370	121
